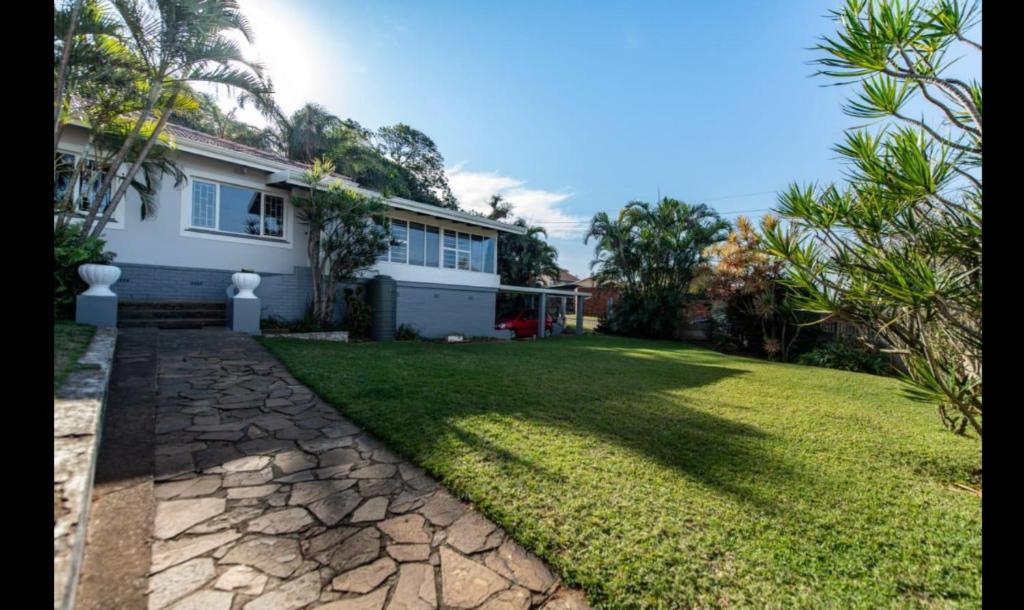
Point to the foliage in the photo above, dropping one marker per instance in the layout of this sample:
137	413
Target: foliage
522	259
343	239
659	475
407	332
125	68
397	161
69	253
652	254
358	313
845	356
899	248
759	313
415	152
207	117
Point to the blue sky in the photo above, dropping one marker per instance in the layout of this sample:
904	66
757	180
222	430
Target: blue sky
570	108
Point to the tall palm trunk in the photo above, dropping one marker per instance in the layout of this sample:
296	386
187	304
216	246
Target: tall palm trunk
62	75
123	187
119	158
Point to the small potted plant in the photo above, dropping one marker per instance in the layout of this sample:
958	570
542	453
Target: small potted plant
245	281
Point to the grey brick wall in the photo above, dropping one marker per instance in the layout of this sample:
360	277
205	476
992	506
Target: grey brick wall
282	295
286	296
437	311
157	283
433	310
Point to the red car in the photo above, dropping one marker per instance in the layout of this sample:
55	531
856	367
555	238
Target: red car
524	323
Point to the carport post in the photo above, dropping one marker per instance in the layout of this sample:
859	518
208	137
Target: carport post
579	315
541	314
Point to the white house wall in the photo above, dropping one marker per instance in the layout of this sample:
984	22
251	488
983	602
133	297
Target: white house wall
165	239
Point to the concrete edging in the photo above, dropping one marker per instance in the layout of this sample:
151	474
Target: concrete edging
77	421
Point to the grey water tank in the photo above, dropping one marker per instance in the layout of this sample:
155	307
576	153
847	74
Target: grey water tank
382	294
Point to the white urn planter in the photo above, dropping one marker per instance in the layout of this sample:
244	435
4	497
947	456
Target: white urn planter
245	283
99	278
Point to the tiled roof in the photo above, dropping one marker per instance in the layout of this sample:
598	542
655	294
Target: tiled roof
184	133
565	276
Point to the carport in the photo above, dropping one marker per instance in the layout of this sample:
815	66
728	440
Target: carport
542	307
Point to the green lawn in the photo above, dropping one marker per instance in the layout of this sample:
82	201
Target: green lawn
658	475
70	341
589	323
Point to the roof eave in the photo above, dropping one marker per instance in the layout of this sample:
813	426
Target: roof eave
289	177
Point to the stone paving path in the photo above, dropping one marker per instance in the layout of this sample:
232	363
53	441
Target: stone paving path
268	499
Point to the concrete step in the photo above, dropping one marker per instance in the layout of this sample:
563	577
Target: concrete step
170	305
156	314
169	323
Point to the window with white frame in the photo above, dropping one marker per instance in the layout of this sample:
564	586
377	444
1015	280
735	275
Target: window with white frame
424	245
85	188
235	209
457	250
399	244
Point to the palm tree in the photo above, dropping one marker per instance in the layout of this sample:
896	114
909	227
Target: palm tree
500	208
307	134
653	253
169	45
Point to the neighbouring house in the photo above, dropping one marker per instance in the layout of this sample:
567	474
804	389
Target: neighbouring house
234	211
601	298
564	278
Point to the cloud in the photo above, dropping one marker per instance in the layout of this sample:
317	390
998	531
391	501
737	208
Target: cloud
536	206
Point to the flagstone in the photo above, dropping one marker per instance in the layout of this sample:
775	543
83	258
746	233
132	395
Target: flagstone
415	588
290	595
281	521
176	516
366	578
242	579
407	528
276	556
172	552
466	583
370	601
177	582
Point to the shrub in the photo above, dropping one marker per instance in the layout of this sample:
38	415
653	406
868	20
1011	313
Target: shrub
358	314
407	332
845	356
68	255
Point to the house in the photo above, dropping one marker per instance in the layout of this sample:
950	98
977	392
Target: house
601	298
234	212
564	277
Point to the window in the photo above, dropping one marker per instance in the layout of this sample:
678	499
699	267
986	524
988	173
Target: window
417	240
63	168
89	181
235	209
489	255
400	233
477	253
383	256
273	216
204	204
449	249
433	246
463	253
89	185
427	246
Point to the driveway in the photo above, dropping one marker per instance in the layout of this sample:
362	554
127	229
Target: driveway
267	499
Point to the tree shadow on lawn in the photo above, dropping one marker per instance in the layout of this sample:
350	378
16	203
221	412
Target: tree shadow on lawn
622	397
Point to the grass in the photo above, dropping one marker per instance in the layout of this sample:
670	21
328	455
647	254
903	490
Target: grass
657	475
70	341
589	322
